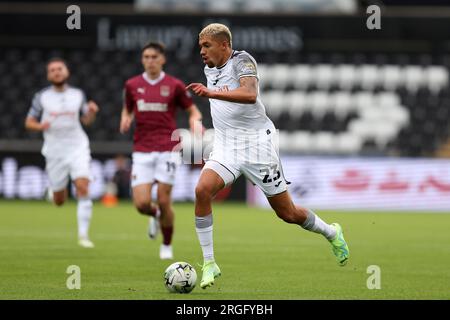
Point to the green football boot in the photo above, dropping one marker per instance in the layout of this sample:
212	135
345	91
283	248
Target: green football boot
210	272
340	247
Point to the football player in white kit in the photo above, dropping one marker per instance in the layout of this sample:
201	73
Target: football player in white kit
55	111
244	143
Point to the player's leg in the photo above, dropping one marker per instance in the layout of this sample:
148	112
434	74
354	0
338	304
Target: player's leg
142	199
142	178
80	173
84	211
269	177
59	197
58	177
286	210
213	178
167	164
166	220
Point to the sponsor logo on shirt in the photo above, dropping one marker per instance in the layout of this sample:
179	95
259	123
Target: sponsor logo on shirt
151	106
63	113
165	91
223	88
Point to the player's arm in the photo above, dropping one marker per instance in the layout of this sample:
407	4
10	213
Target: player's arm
32	124
89	117
246	93
127	115
195	119
126	119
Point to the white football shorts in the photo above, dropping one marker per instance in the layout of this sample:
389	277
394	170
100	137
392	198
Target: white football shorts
74	165
149	167
260	164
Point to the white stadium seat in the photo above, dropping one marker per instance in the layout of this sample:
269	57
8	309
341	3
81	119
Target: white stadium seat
414	77
301	76
363	99
324	76
387	99
398	115
391	77
297	103
280	76
320	103
436	77
371	113
369	76
361	128
348	143
275	103
342	102
383	132
323	142
300	141
345	76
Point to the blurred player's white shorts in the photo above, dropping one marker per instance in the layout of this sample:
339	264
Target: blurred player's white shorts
259	163
149	167
76	165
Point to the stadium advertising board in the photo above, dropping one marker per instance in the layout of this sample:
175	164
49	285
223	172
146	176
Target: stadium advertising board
24	177
365	183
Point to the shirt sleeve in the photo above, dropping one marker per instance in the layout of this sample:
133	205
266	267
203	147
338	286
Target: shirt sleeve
183	96
36	107
245	66
128	98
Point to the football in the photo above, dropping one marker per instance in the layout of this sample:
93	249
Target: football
180	277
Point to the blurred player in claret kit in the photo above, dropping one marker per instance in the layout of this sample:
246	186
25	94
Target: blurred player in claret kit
55	111
243	144
152	98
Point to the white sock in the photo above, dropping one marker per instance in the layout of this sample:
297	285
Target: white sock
84	214
204	228
314	224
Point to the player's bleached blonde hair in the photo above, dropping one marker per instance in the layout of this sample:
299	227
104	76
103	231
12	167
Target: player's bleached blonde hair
217	30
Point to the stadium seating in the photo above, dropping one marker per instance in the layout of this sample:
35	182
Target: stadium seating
322	104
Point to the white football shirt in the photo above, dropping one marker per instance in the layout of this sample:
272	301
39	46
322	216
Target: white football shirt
235	123
62	110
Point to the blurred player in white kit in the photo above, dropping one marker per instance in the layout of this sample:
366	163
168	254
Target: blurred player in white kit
57	111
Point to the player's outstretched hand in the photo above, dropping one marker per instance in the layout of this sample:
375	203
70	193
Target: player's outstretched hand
199	89
92	107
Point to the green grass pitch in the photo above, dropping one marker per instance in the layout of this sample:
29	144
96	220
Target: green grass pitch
261	257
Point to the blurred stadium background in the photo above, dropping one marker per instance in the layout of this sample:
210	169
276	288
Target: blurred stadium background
363	114
364	125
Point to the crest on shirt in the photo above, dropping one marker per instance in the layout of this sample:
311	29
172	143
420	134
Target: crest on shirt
249	67
165	91
141	90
